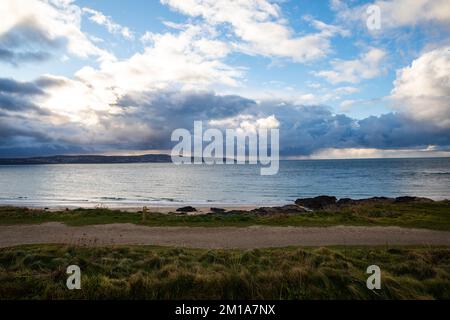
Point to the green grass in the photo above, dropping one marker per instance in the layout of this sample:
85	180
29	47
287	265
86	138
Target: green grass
411	215
140	272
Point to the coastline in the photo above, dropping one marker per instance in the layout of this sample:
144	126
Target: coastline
154	208
206	206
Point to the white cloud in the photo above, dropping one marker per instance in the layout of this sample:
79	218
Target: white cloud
111	26
147	37
367	66
261	27
346	90
53	20
422	90
183	61
346	104
194	38
398	13
373	153
245	123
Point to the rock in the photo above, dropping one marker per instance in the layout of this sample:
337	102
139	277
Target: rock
350	202
376	199
288	209
346	202
412	199
264	211
217	210
316	203
187	209
291	209
405	199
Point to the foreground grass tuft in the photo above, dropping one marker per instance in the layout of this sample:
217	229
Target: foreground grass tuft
38	272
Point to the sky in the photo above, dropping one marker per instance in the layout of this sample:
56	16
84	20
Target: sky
340	79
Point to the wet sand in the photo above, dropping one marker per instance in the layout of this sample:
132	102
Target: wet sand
222	237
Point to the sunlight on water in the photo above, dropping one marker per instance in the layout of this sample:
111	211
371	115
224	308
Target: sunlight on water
167	184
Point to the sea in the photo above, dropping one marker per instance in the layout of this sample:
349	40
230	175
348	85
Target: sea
156	184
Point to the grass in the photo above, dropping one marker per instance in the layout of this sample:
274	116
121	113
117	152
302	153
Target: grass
410	215
141	272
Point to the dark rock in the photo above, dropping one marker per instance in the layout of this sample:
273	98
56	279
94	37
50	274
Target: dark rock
236	212
405	199
317	203
187	209
376	199
291	209
412	199
265	211
352	202
346	202
217	210
288	209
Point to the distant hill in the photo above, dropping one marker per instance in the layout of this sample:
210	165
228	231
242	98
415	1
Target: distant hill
91	159
88	159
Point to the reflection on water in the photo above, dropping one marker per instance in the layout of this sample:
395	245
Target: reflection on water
167	184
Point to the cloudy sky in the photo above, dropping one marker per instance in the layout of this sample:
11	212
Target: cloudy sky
115	77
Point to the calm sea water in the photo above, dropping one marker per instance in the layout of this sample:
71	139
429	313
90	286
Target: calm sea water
167	184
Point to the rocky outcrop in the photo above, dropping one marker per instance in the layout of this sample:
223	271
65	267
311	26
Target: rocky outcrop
381	200
263	211
412	200
349	202
317	203
288	209
187	209
306	205
327	202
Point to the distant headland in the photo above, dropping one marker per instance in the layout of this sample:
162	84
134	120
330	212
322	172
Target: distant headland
87	159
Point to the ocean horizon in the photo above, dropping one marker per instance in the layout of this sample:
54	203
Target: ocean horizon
165	184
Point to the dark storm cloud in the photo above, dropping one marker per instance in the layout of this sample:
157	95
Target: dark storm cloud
18	96
306	129
15	58
303	129
148	120
12	103
12	86
27	43
45	82
199	105
147	123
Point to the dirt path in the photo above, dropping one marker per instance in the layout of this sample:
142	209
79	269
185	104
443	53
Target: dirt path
252	237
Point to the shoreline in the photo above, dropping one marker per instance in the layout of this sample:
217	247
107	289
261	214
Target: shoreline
154	208
323	202
203	207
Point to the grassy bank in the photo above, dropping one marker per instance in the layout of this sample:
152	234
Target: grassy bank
39	272
411	215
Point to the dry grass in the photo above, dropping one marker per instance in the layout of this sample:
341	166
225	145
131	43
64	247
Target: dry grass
38	272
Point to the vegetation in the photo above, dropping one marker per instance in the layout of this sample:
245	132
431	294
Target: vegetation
434	215
39	272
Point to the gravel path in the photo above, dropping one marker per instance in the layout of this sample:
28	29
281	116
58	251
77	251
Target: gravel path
246	238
